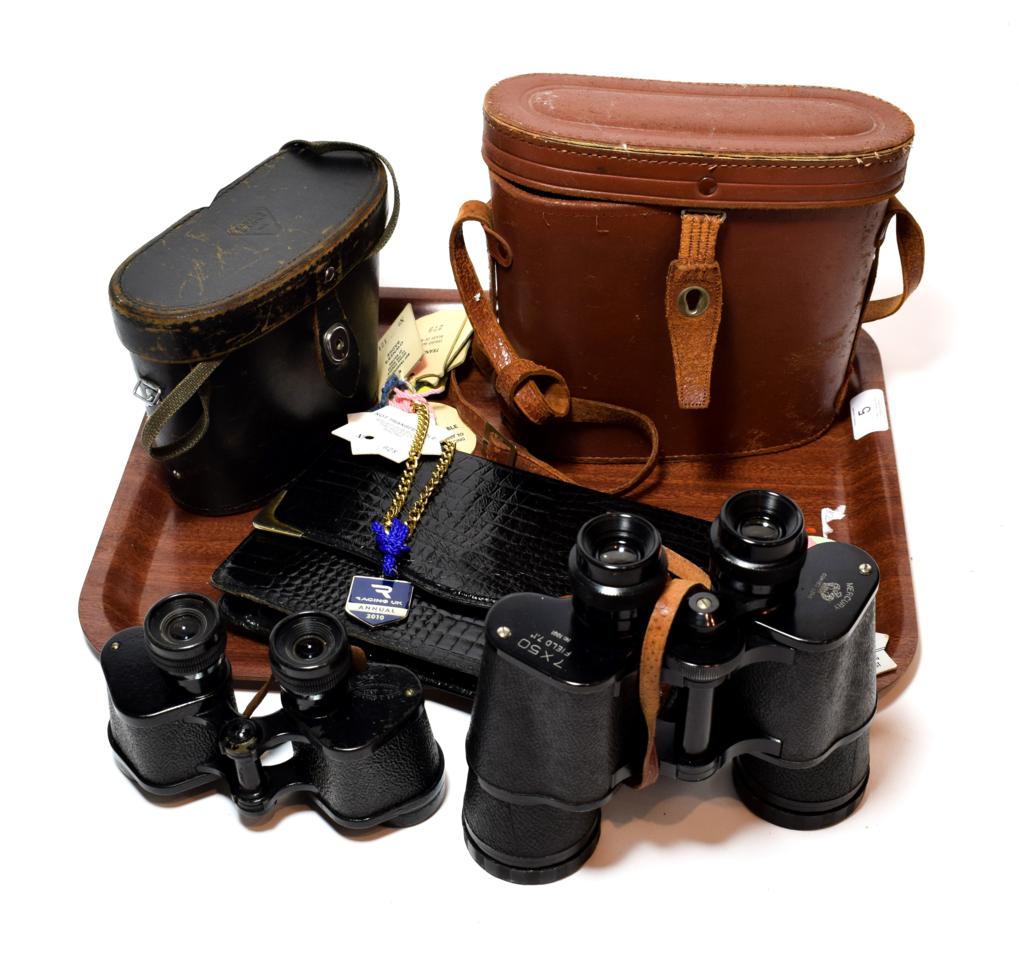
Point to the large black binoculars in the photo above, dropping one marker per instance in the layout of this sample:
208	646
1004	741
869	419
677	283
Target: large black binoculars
772	668
363	750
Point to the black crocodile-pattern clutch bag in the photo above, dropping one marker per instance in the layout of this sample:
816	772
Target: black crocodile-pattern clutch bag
488	531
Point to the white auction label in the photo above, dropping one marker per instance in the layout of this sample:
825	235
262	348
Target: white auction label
388	432
869	413
884	663
883	660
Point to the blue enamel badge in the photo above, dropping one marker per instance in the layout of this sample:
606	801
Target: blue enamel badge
378	601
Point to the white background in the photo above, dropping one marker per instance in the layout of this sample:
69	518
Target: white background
116	121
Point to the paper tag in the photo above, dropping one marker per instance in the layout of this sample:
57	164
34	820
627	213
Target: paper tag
884	663
882	660
399	349
378	601
829	515
388	432
449	425
868	412
444	336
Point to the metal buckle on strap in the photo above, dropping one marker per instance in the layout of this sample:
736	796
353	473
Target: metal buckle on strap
489	440
150	393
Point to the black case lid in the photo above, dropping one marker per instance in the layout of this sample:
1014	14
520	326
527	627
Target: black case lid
269	245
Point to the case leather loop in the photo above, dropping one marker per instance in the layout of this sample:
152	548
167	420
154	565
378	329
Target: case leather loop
489	338
529	393
511	378
909	239
686	575
694	277
492	444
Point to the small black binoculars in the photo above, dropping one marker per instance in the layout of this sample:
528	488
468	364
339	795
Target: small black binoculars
771	668
363	750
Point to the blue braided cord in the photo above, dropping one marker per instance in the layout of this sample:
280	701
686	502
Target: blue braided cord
393	382
392	544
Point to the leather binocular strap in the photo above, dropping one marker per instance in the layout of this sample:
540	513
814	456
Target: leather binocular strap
909	238
528	392
685	575
693	307
492	444
192	383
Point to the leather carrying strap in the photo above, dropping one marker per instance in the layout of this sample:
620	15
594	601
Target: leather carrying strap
685	575
529	393
909	239
492	444
193	382
693	307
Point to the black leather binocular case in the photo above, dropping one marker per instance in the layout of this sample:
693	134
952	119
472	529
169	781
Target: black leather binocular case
253	322
772	669
363	750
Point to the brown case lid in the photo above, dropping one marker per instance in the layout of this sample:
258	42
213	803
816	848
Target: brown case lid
700	144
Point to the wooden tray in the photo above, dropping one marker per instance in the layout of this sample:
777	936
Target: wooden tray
150	547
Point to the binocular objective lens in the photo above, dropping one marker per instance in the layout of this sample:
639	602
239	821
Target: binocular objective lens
309	647
183	625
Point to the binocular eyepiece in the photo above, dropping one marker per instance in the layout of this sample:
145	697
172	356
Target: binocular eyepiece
758	543
363	748
184	635
309	655
618	569
616	550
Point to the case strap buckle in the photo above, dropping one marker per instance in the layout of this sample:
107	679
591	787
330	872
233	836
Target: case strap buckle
149	393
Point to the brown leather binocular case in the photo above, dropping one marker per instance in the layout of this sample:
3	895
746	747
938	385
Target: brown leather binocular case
678	269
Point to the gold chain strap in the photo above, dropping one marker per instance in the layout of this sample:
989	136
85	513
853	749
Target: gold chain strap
448	448
410	470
